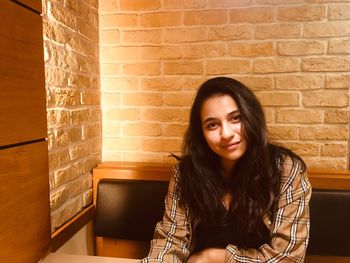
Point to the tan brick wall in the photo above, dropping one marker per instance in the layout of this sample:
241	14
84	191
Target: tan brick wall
294	54
73	103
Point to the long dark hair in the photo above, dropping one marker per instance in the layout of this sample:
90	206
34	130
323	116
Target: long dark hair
254	182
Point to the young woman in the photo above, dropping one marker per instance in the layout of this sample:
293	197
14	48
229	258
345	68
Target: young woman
234	196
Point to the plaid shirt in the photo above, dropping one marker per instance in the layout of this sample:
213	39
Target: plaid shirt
289	225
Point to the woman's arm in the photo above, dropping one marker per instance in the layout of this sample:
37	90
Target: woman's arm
290	224
172	236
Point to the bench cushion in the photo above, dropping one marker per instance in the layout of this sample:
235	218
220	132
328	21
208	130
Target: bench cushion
330	223
129	209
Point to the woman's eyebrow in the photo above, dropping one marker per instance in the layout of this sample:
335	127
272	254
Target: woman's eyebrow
209	119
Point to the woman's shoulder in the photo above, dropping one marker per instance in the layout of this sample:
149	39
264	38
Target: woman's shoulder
293	173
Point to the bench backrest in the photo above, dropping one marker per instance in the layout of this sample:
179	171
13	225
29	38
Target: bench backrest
129	200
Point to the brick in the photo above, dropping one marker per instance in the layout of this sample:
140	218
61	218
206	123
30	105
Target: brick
57	34
338	81
251	15
80	185
162	114
141	129
111	129
161	19
283	132
160	52
339	11
247	49
79	80
301	47
269	114
303	148
332	132
142	36
325	98
274	2
66	174
326	163
119	84
55	76
236	32
109	37
335	116
192	83
142	157
229	3
257	83
87	197
327	29
108	6
206	17
118	21
300	82
109	69
91	131
142	99
120	144
228	66
161	84
174	130
80	150
78	116
183	67
142	68
183	4
112	156
341	63
119	53
121	114
90	97
85	29
64	137
178	99
110	99
161	145
280	30
302	13
339	46
136	5
332	149
58	158
63	97
62	15
214	50
278	98
57	117
58	198
299	116
183	35
281	65
193	51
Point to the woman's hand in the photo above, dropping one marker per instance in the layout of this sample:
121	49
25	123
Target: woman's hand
209	255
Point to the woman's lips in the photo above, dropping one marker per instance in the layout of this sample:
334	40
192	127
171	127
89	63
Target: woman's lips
230	146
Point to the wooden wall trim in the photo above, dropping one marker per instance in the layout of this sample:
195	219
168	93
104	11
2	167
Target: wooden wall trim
66	231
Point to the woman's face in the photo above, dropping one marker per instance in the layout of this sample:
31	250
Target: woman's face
221	125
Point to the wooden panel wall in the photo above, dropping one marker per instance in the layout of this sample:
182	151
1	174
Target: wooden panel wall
24	180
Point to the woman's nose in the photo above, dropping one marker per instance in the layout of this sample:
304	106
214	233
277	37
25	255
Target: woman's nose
226	131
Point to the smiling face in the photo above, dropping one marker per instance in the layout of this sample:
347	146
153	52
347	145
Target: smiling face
221	126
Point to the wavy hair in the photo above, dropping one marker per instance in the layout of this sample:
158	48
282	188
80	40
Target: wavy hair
254	182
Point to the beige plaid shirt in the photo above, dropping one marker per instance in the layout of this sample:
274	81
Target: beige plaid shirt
289	225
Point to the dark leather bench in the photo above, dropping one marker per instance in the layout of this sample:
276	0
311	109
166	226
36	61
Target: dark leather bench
130	201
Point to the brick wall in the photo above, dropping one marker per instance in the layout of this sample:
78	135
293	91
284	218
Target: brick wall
294	54
73	103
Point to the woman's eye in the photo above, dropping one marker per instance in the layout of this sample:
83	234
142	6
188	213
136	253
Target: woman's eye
236	118
211	125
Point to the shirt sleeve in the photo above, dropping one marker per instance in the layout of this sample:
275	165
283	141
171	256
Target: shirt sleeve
172	236
289	226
